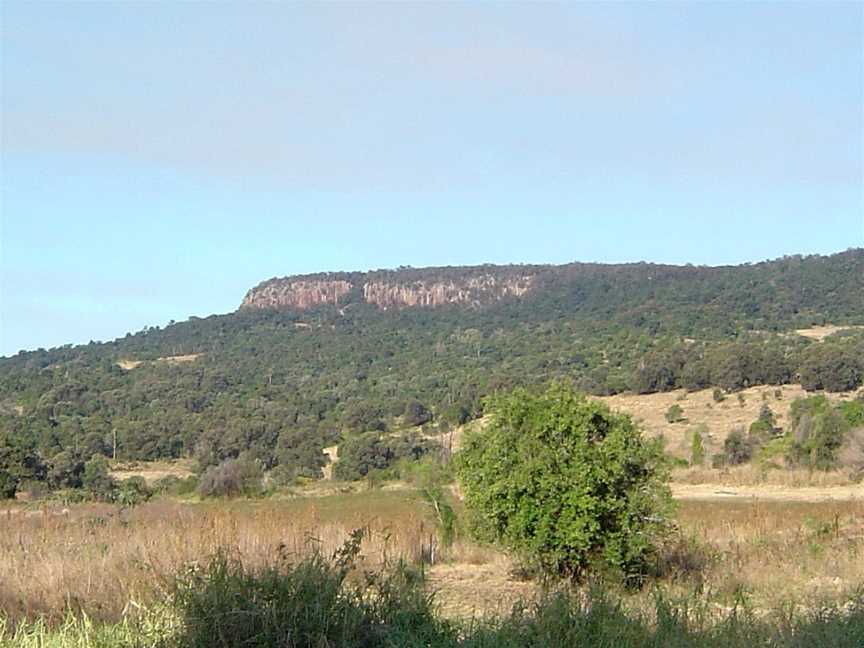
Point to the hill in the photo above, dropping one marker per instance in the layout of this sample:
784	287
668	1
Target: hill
306	361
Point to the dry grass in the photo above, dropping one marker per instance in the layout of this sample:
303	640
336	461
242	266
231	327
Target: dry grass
152	471
104	560
649	410
98	558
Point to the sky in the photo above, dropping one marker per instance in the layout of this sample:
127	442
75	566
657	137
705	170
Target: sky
159	159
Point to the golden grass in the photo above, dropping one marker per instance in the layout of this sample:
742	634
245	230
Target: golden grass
152	471
649	410
105	560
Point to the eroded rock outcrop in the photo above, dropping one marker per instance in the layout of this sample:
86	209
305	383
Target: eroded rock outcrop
473	291
300	294
390	289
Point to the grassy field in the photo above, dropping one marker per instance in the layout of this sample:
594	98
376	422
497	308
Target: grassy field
110	563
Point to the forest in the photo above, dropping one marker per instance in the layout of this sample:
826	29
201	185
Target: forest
275	387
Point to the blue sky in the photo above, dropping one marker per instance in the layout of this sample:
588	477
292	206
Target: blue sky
159	159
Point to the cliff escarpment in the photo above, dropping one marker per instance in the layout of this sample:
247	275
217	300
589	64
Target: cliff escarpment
389	290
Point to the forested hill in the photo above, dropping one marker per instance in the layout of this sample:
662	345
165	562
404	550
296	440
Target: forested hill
307	360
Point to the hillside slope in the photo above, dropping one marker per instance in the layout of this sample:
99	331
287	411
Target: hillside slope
307	360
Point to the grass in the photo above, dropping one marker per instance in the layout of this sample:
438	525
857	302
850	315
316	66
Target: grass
312	603
96	575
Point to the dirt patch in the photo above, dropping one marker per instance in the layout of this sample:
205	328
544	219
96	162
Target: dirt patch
821	332
128	365
333	455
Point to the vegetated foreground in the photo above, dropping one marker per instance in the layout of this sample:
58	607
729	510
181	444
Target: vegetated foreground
111	563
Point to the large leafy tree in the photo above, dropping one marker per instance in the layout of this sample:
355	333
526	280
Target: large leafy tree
565	482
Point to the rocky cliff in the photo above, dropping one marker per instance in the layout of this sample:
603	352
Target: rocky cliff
472	291
388	290
299	294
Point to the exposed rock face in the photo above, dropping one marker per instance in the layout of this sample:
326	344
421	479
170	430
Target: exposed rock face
300	294
472	291
388	292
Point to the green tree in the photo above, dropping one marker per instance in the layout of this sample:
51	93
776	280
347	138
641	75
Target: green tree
96	478
565	482
697	448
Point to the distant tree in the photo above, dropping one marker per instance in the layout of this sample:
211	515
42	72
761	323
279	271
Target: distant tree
674	414
96	478
737	448
231	478
416	413
697	448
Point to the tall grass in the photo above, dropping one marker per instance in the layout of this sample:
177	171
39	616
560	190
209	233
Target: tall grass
314	603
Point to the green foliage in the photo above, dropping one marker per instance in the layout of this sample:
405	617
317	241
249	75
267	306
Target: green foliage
737	448
853	411
96	478
697	448
718	395
309	603
363	454
763	428
565	482
312	603
132	491
833	366
675	414
282	385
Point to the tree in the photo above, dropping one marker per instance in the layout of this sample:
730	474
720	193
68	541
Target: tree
565	482
96	478
697	448
737	448
416	413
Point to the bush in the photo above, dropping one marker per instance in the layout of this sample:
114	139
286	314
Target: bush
697	448
818	431
675	414
305	604
416	414
133	491
737	449
566	483
231	478
718	395
96	479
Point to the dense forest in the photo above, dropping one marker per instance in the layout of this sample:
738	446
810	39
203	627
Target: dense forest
278	385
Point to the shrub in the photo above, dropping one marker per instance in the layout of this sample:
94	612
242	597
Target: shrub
718	395
762	429
231	478
309	603
416	414
565	482
133	491
736	448
818	431
697	448
675	414
96	479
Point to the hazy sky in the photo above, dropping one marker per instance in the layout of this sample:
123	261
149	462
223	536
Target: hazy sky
159	159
